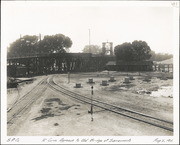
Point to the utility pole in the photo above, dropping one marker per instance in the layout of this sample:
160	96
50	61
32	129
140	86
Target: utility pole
40	36
68	77
89	41
91	103
18	92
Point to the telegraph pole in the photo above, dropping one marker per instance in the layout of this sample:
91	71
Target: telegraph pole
89	42
68	77
39	36
91	103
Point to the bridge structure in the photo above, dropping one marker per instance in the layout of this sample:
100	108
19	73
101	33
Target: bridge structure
55	63
165	65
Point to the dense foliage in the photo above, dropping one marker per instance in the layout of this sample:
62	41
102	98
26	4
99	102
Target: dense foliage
23	46
160	56
31	45
135	51
94	49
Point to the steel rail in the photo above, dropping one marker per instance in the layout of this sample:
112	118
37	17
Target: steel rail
21	99
26	101
111	108
128	110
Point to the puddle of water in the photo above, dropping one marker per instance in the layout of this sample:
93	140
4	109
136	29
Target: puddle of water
165	91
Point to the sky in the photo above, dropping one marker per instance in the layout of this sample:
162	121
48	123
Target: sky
108	21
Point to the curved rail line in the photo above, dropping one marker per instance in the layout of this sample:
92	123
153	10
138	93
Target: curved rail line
24	102
164	124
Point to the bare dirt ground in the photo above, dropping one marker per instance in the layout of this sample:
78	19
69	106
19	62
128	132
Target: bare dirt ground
54	114
14	94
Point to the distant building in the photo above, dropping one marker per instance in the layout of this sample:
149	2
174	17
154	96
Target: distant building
164	66
130	66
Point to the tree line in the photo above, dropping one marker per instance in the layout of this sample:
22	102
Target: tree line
32	45
160	56
59	43
135	51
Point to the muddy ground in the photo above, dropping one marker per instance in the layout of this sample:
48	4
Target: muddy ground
54	114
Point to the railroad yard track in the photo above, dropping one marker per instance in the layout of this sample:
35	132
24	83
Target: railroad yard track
22	104
164	124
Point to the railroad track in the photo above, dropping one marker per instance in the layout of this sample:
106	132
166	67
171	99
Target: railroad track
21	105
164	124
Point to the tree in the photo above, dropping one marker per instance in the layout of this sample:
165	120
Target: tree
137	51
23	46
94	49
160	56
142	50
30	45
124	52
54	44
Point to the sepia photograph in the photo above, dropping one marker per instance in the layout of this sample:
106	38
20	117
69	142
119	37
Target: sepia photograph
91	72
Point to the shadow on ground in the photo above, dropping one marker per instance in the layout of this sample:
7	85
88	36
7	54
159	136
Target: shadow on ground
53	107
